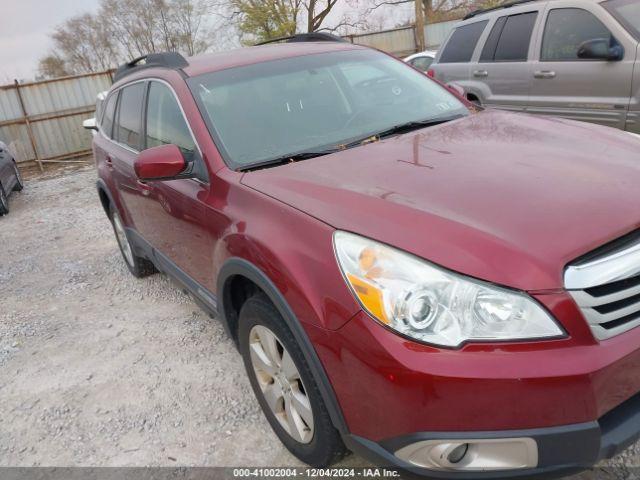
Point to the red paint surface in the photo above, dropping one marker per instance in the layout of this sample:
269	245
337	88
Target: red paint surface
164	161
507	198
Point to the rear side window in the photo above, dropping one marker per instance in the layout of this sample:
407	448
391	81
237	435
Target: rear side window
460	47
107	119
509	39
489	49
129	127
165	122
566	30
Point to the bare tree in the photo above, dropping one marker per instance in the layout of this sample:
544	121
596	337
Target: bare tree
264	20
52	66
83	45
124	29
439	10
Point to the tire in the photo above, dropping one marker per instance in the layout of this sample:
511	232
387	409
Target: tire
138	266
4	202
19	184
319	444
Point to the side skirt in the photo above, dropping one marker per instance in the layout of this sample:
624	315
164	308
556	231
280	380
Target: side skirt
201	295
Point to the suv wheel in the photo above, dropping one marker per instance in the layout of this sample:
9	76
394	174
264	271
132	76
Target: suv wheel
19	184
4	202
284	385
138	266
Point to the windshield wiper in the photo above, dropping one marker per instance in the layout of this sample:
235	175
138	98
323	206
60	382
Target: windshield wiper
284	159
372	137
398	129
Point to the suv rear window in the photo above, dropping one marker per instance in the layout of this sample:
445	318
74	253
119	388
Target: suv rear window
460	47
129	127
566	30
509	39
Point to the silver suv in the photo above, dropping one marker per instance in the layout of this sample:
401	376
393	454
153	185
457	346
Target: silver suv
567	58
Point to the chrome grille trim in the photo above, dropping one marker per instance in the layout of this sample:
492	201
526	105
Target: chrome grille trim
586	300
603	271
620	265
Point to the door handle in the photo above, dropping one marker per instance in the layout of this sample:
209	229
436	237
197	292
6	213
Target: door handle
145	188
480	73
109	161
544	74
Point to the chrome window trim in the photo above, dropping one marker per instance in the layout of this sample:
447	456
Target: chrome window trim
184	116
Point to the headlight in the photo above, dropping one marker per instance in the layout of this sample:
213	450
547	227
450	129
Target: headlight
434	306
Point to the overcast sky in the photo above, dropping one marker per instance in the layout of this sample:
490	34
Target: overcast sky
24	32
25	26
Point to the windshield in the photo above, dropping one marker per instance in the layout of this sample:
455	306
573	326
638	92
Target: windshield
315	102
627	12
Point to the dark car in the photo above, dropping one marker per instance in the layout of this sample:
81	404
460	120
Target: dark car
449	291
10	179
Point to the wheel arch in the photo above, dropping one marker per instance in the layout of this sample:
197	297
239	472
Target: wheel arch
105	196
240	270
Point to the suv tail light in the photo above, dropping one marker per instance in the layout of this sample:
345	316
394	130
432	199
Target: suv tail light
431	73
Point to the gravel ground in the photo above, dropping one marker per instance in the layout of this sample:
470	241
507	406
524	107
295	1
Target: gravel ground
98	368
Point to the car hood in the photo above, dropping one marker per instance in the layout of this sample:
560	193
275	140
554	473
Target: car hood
503	197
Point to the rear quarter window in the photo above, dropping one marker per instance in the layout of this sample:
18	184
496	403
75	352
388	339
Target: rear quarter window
460	47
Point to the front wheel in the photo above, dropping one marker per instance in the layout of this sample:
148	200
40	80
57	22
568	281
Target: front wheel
284	385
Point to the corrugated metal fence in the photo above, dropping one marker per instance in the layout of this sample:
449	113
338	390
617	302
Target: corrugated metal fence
402	41
42	121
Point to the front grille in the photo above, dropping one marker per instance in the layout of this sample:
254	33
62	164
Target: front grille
606	287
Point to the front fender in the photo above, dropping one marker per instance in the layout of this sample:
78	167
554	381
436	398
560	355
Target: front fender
239	267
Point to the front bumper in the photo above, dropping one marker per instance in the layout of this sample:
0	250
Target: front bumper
561	450
570	395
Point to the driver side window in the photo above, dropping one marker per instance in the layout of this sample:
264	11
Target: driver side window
566	30
165	122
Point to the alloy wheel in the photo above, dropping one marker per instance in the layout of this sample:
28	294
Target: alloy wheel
123	241
280	383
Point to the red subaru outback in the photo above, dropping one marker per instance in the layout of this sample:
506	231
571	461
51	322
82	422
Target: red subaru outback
451	292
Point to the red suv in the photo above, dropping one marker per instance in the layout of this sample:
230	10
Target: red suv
444	290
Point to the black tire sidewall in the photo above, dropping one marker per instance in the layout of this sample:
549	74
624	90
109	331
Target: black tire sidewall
141	266
19	184
326	445
4	201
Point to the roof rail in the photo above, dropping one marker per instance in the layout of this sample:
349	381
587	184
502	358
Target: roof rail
504	5
172	60
305	37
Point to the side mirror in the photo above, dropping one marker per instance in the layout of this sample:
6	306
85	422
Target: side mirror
600	49
165	162
456	89
90	124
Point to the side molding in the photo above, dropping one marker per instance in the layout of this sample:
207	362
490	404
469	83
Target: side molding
238	266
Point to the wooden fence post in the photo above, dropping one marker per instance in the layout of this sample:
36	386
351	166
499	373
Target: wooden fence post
27	122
